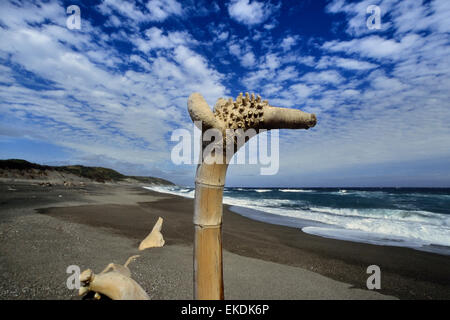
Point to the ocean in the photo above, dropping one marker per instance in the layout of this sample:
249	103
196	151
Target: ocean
417	218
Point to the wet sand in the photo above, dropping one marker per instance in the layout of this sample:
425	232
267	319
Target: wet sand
98	224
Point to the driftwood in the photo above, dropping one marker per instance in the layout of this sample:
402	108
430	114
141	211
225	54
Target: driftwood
155	238
115	280
246	112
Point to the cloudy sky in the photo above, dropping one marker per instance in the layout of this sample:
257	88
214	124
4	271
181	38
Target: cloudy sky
111	93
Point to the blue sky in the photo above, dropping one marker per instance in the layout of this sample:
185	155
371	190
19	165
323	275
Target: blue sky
111	93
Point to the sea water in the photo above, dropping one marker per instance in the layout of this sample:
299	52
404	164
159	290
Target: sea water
418	218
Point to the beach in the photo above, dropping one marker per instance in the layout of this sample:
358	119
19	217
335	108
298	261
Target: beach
45	229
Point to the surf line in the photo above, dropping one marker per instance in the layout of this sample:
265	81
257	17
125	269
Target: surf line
209	311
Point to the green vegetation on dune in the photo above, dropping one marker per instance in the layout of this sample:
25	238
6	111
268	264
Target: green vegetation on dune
20	164
93	173
153	180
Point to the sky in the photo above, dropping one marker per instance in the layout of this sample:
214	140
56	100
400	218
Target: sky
112	92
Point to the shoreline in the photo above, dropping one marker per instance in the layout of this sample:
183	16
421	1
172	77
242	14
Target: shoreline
323	229
292	222
129	212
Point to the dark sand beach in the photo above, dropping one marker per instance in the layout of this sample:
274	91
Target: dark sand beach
44	229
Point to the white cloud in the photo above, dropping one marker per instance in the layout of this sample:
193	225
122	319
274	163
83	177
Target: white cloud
29	13
397	112
402	116
113	21
301	90
248	60
351	64
127	9
156	10
271	61
199	8
288	42
377	47
255	79
223	36
270	26
219	32
86	97
250	12
242	51
380	82
156	39
160	10
400	15
350	92
379	97
235	49
323	77
287	73
417	16
357	14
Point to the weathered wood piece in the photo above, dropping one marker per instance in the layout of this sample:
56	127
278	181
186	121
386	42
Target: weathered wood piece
115	280
246	112
155	239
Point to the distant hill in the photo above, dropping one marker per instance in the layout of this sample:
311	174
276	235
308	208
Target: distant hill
22	169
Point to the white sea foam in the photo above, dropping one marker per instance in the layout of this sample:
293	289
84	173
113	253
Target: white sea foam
427	231
362	236
429	195
184	192
388	214
359	193
382	226
295	190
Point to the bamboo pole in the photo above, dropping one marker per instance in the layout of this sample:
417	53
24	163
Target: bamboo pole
208	273
243	113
